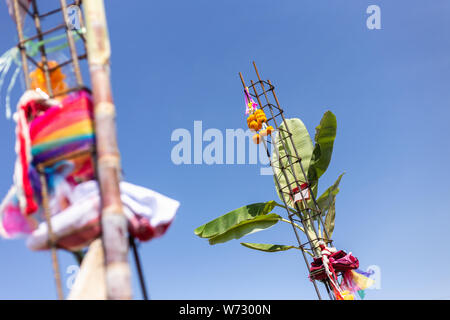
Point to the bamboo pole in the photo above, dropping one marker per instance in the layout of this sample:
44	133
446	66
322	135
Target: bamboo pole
114	224
23	51
51	235
90	281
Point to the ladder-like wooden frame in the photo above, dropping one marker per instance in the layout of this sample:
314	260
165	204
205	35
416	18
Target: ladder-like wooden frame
75	60
305	213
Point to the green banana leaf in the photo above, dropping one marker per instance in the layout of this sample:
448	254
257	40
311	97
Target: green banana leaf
329	196
329	220
327	203
246	227
304	147
267	247
323	149
233	218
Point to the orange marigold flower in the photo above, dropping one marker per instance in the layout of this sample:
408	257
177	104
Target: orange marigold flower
256	139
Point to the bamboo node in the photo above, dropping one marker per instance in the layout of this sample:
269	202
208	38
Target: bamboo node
112	209
109	160
104	108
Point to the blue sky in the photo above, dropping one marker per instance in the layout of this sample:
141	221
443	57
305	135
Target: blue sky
175	62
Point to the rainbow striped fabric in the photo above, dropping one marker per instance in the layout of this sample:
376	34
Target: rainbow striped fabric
74	195
60	131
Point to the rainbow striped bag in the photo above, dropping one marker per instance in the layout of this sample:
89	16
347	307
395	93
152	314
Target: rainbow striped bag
50	135
47	130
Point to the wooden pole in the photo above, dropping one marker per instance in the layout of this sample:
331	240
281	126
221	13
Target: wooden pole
51	235
114	223
90	281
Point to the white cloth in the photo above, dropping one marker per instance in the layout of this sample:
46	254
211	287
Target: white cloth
85	210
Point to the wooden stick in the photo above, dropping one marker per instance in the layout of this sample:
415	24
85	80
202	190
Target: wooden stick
23	52
114	223
90	281
51	235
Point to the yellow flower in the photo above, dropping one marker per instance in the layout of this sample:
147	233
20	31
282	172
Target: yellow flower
256	139
56	78
253	125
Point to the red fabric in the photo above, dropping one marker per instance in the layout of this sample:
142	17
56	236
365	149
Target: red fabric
139	227
29	110
31	205
45	120
340	261
303	186
337	294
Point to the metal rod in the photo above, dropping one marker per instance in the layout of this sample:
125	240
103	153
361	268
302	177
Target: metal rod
285	203
139	268
73	89
284	172
290	162
37	23
327	286
310	241
42	33
34	62
285	137
297	236
43	15
25	8
285	148
303	171
84	56
71	42
67	156
315	248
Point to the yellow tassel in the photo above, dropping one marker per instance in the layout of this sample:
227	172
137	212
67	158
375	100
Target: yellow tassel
256	139
347	295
